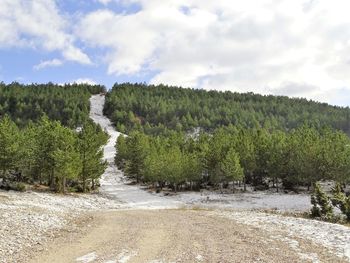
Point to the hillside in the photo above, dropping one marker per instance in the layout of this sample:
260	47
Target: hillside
157	108
39	139
68	104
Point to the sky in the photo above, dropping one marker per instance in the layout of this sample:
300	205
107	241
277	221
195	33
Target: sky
297	48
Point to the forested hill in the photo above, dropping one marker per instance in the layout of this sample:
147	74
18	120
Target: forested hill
68	104
156	108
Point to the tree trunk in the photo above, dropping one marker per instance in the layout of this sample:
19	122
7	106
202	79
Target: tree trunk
244	184
84	183
83	171
52	180
277	184
64	184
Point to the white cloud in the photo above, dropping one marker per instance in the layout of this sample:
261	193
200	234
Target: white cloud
298	48
37	24
105	2
48	63
84	81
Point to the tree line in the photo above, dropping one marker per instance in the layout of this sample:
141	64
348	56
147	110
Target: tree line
160	109
324	205
68	103
49	153
232	155
46	137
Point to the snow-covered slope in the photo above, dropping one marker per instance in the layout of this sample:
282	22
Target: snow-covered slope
113	183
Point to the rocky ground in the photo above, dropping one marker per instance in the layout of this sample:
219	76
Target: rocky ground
45	227
29	220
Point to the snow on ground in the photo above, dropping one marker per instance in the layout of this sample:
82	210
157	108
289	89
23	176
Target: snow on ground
244	201
30	219
113	182
334	237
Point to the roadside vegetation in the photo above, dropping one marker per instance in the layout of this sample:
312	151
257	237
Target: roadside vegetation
187	139
46	137
232	156
324	205
190	139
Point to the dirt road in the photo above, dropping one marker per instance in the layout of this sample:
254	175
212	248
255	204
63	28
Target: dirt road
42	227
172	236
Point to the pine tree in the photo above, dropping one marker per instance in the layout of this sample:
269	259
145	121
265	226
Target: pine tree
9	146
231	167
66	158
340	200
321	204
90	142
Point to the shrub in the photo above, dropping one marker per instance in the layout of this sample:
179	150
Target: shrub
340	200
321	204
20	187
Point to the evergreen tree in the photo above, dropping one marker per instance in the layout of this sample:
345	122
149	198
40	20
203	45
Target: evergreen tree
90	142
231	167
9	146
321	204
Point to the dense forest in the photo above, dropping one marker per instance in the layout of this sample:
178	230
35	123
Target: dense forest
187	139
156	109
51	154
231	155
68	104
47	138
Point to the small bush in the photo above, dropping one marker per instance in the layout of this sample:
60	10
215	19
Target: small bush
321	204
340	200
14	186
20	187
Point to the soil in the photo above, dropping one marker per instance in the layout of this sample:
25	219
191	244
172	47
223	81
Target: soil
175	236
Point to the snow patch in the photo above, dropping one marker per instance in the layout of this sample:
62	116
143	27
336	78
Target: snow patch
199	258
334	237
87	258
113	183
125	256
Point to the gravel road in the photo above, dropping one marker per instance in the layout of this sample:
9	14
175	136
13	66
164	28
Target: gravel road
177	236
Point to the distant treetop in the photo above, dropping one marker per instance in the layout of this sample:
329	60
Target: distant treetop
155	109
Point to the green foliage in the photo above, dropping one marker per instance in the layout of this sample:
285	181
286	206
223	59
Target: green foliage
44	148
50	153
137	147
301	157
68	104
321	204
9	145
66	162
161	108
90	142
231	167
340	200
20	187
